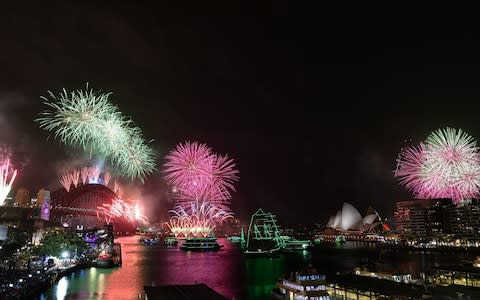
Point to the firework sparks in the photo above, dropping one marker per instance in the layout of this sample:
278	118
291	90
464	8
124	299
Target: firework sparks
106	178
90	121
117	189
201	182
93	174
446	165
86	175
121	209
7	176
198	174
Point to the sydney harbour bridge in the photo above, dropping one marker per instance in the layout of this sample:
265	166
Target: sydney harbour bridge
79	207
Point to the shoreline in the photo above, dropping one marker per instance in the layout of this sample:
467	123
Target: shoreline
36	288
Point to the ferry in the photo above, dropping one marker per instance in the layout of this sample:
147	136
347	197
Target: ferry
150	241
262	252
302	285
292	244
235	239
201	244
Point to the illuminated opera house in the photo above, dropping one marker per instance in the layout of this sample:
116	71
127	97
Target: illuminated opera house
348	219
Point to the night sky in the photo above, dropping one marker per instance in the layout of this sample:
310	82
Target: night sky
314	105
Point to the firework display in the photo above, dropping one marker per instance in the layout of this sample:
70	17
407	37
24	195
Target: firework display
121	209
445	165
85	175
198	220
89	120
201	183
196	173
7	176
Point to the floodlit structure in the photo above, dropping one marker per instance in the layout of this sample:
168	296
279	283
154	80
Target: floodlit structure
349	219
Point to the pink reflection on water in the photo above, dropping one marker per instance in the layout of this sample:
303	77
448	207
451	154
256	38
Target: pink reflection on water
145	265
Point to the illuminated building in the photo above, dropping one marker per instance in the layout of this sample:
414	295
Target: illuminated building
423	217
465	219
349	219
22	198
303	285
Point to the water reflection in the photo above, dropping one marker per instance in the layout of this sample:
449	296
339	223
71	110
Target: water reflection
228	271
262	274
62	288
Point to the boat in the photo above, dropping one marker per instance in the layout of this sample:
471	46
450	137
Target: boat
201	244
150	241
110	256
318	240
263	237
340	239
292	244
170	241
476	262
302	285
237	239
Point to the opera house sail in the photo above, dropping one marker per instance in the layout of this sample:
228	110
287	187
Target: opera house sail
349	219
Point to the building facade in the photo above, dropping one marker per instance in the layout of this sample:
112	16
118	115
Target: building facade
423	217
465	219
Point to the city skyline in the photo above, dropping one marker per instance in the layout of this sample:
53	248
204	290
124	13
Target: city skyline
313	115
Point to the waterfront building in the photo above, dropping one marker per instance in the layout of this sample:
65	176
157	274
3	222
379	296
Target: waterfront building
423	217
465	219
349	219
302	285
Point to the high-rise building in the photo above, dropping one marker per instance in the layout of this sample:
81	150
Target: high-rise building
423	217
465	219
22	198
41	196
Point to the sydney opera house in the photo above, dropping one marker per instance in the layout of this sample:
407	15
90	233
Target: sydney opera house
349	219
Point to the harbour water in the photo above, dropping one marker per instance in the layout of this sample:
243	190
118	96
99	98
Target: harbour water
228	271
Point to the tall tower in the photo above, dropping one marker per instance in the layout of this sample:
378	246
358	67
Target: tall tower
22	197
42	193
43	201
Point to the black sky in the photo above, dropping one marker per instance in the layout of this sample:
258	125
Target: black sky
314	104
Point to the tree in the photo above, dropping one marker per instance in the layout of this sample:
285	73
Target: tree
55	243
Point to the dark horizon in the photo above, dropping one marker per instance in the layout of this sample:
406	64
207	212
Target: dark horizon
314	110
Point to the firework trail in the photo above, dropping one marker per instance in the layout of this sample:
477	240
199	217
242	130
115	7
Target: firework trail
70	179
117	189
106	178
446	165
93	174
89	120
7	176
84	173
66	182
121	209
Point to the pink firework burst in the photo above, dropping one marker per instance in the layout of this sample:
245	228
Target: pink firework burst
188	168
446	165
195	173
202	182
